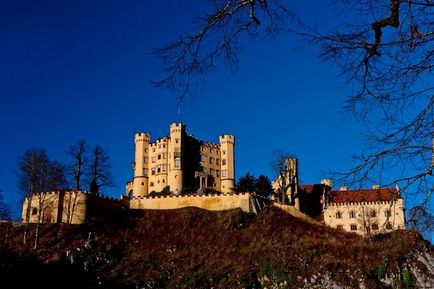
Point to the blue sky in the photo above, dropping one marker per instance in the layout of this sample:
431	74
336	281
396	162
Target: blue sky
81	69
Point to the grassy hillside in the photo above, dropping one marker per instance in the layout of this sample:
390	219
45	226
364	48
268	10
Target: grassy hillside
193	248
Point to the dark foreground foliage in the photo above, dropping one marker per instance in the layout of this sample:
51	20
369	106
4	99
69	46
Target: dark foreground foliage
193	248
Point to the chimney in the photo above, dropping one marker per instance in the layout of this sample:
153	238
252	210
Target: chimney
327	182
375	186
343	188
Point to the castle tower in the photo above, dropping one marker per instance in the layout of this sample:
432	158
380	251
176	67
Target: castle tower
292	171
140	184
227	143
176	157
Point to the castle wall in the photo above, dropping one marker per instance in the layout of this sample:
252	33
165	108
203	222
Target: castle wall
366	218
296	213
207	202
74	207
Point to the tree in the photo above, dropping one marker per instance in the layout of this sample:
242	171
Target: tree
246	183
386	51
37	174
78	153
389	56
263	186
285	167
421	220
100	174
5	213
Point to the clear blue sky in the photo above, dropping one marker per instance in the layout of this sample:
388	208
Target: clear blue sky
80	69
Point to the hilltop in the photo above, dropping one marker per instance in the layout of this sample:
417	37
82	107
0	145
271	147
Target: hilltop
194	248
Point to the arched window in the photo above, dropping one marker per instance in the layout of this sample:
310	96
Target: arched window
34	211
352	214
338	215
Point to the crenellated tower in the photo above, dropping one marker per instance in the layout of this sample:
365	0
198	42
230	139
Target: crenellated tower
176	157
227	143
141	160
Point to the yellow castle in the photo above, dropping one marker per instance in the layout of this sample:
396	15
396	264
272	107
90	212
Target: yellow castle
179	163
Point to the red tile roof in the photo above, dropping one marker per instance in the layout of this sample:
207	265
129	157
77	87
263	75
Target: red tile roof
370	195
316	188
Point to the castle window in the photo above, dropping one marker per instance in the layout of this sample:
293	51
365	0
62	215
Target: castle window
154	159
202	158
338	215
164	155
211	160
177	163
223	162
159	169
34	211
153	150
224	173
211	172
353	227
373	213
158	181
159	157
145	160
387	213
153	171
164	168
223	152
143	183
146	150
374	226
177	140
217	173
210	150
145	172
151	184
340	227
352	214
217	161
389	226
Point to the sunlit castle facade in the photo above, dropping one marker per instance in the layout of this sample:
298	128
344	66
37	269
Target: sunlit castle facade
181	163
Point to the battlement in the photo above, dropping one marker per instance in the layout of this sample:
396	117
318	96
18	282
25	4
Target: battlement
211	202
142	136
227	138
192	195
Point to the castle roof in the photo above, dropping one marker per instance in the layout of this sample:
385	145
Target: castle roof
312	188
369	195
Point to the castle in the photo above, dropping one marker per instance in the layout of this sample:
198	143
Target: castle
180	163
179	171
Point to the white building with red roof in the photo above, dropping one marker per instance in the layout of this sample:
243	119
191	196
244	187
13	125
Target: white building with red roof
366	212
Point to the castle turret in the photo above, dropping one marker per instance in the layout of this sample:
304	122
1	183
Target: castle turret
176	157
227	143
141	160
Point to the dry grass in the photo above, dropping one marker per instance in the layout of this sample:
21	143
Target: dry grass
193	248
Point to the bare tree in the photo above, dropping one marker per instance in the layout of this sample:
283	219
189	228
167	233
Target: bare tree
217	39
31	167
78	153
386	51
5	213
36	176
100	174
421	220
285	167
389	56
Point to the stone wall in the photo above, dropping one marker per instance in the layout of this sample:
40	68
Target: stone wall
296	213
207	202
